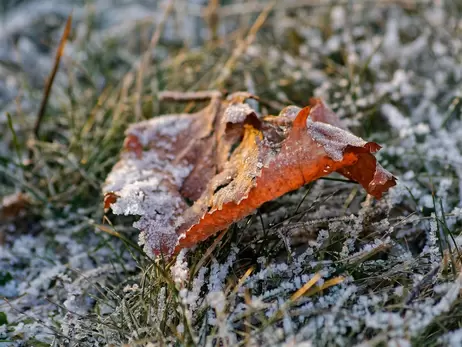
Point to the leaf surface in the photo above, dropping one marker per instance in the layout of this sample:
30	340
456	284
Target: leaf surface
189	176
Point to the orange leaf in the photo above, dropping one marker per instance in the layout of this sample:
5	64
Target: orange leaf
109	199
190	176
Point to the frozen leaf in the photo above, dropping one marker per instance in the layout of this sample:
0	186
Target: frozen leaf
191	175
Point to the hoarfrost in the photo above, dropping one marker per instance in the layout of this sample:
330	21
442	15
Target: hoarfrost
169	126
414	67
140	191
397	120
334	140
237	113
452	338
180	270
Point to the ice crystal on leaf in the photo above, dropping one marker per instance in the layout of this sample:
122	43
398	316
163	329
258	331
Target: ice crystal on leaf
228	160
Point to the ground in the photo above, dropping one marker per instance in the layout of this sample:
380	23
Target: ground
325	265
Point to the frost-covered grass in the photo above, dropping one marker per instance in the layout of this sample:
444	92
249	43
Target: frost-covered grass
325	265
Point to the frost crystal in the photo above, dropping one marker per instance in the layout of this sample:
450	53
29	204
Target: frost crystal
237	113
164	126
142	182
217	300
397	120
334	140
180	270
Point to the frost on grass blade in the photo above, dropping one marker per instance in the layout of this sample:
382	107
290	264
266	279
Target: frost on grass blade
189	176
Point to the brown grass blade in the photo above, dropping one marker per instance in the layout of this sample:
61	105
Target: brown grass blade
51	77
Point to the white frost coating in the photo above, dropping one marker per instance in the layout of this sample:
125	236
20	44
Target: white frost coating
397	120
156	234
180	270
395	117
391	42
141	189
158	208
237	113
217	300
132	170
338	17
290	112
333	139
167	126
453	338
142	199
